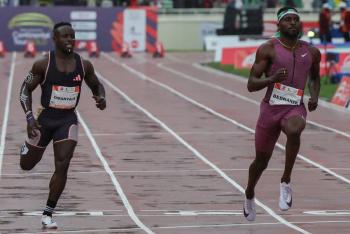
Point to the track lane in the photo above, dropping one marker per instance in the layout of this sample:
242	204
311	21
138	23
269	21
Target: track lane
147	68
26	192
166	112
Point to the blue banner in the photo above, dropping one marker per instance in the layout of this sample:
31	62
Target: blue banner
22	24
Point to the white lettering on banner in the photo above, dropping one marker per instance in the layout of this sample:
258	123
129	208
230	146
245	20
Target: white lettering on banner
85	36
84	25
285	95
83	15
135	29
64	97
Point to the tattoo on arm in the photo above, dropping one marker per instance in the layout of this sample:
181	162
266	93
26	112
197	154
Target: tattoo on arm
27	87
29	78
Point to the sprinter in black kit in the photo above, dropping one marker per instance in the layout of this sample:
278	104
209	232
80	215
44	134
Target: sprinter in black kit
60	76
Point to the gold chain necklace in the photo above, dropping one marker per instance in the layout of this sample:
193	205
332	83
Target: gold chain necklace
289	47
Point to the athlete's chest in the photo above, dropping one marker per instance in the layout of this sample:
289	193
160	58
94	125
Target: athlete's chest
299	59
66	66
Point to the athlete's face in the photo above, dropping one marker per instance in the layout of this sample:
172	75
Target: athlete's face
65	39
290	26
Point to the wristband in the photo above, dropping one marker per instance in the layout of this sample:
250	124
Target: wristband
29	116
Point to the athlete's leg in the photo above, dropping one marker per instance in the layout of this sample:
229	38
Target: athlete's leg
63	152
255	171
293	128
65	139
267	132
33	149
30	156
265	140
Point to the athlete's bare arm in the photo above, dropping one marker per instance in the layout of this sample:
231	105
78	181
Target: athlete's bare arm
95	85
314	79
263	60
32	80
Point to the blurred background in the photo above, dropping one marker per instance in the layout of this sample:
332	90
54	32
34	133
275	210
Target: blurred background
230	30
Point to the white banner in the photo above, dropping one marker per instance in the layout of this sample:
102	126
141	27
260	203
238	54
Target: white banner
135	29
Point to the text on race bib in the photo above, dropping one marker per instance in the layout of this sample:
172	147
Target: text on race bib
64	97
285	95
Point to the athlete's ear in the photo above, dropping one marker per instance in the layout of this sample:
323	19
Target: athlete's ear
278	27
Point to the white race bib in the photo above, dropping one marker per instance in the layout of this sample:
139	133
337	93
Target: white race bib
285	95
64	97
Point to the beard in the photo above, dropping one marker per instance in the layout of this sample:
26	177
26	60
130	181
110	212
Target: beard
291	34
67	51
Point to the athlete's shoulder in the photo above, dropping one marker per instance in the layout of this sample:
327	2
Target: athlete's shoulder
269	44
40	65
314	50
266	49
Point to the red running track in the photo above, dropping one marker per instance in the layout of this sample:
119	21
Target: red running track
170	155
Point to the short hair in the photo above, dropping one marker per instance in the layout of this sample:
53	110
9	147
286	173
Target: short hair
286	8
60	24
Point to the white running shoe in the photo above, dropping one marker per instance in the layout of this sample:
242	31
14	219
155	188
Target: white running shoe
285	196
249	209
48	223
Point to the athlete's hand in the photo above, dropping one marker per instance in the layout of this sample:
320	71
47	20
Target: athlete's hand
280	75
100	102
32	128
312	105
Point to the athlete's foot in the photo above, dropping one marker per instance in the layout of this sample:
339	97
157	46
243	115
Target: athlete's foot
249	209
48	223
285	196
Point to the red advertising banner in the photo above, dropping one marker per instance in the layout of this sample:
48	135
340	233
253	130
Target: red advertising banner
242	57
342	95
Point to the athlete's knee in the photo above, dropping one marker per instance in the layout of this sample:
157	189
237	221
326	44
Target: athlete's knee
62	166
25	164
295	127
29	156
294	133
261	163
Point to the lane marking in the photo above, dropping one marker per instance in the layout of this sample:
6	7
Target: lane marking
182	227
7	110
166	171
115	182
244	80
197	213
328	212
198	154
167	213
306	132
65	213
213	112
245	98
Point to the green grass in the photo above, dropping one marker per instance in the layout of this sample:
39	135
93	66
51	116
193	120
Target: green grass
326	93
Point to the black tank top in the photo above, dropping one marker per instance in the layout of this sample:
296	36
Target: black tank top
60	90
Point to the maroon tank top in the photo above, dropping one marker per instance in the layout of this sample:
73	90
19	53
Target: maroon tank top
297	63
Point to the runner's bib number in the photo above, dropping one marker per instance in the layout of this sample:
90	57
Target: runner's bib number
285	95
64	97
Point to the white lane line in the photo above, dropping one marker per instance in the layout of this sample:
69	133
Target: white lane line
116	230
306	132
165	171
7	109
116	184
165	133
321	102
202	106
198	154
245	98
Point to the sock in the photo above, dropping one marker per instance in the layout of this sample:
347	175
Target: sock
50	206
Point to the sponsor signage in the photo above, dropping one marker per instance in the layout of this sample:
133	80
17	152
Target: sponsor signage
22	24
